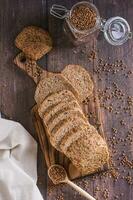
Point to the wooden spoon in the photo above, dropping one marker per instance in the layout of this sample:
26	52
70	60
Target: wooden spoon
58	174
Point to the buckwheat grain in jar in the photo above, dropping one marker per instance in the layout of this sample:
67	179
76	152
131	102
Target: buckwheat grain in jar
83	22
80	22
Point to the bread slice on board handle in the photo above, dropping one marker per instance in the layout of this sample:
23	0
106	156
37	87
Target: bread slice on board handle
30	67
34	41
80	79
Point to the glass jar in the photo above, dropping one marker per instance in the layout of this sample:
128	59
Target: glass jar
116	29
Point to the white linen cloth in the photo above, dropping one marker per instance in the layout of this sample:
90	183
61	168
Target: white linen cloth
18	163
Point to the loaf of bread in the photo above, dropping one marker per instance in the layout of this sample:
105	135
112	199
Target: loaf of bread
70	132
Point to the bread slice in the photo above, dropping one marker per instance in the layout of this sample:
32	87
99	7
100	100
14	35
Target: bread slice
80	79
53	83
34	42
72	135
58	108
89	152
66	126
53	100
61	115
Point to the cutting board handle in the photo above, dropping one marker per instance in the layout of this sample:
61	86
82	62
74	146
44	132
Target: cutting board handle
29	66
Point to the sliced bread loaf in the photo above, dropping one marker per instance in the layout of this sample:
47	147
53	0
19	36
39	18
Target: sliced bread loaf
80	79
89	152
51	84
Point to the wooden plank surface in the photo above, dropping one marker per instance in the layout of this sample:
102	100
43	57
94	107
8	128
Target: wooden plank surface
17	90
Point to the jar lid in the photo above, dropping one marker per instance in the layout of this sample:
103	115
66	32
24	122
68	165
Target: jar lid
116	30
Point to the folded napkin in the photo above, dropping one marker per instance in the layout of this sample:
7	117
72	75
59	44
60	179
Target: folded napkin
18	163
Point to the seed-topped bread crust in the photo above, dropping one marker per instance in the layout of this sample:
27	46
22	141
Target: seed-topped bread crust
34	42
80	80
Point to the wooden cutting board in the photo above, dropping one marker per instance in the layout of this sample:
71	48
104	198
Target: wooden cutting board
90	108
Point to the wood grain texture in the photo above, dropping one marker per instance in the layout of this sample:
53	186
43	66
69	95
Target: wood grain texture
17	89
124	52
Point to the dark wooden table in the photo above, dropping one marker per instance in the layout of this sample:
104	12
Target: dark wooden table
17	89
